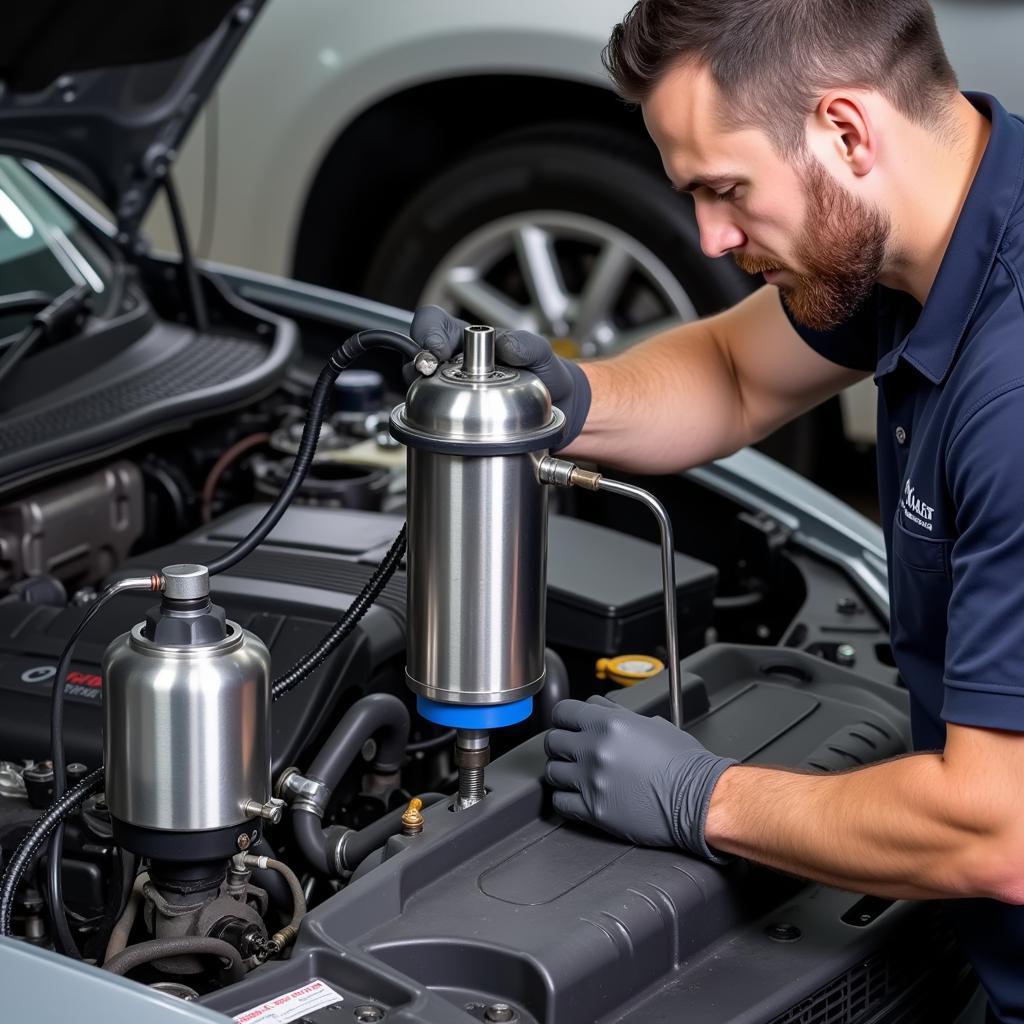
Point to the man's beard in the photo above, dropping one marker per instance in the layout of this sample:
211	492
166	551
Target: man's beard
842	250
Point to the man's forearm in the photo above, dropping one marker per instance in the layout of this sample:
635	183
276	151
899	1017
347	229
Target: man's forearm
903	829
667	404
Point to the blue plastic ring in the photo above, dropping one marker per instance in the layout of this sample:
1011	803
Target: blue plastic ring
470	716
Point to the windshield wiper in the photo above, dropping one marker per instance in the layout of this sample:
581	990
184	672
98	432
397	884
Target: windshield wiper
51	322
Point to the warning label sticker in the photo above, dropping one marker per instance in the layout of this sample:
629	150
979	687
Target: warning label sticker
292	1005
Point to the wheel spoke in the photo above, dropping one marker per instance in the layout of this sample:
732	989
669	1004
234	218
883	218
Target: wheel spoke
539	266
602	288
486	303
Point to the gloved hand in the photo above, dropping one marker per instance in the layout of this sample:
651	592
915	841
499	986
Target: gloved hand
637	777
441	333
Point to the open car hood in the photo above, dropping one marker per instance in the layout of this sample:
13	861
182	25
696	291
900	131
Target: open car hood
105	90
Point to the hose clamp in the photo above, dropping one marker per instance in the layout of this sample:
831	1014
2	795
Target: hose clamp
304	794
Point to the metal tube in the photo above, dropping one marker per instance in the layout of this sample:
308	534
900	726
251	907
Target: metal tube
478	351
668	581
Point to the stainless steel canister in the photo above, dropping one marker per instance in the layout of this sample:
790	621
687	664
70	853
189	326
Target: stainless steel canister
186	731
477	555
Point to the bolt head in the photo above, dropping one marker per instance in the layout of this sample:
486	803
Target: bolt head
783	932
368	1014
244	842
500	1012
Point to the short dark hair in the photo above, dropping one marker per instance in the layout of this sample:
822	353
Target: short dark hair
773	59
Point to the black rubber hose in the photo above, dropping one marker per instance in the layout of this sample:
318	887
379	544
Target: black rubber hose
351	349
185	945
271	881
315	843
343	628
375	714
556	685
34	839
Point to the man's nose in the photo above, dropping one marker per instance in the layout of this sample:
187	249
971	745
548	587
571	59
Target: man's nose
718	233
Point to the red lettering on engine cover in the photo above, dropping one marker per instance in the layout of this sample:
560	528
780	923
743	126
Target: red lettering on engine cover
85	679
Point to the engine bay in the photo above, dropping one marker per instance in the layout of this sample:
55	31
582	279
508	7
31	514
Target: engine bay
401	864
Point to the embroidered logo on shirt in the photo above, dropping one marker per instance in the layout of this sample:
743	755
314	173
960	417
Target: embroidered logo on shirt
915	509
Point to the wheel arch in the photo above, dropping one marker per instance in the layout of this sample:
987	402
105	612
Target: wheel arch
365	179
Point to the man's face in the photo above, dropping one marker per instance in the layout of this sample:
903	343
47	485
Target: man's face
789	220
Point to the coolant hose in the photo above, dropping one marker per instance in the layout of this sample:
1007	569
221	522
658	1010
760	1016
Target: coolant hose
376	713
185	945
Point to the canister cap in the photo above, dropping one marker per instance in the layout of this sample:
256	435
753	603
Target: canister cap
628	669
186	582
474	406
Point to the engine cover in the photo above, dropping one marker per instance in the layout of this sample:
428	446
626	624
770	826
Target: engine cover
506	912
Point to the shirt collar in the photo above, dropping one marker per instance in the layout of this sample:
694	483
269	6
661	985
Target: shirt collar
933	343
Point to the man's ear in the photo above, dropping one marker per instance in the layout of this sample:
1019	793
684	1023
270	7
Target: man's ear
843	118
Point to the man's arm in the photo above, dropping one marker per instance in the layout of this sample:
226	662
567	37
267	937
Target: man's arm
923	826
704	390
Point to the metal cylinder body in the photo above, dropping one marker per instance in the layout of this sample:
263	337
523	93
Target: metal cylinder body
186	731
477	569
477	558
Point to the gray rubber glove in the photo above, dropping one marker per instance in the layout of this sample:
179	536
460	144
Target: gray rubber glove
637	777
441	333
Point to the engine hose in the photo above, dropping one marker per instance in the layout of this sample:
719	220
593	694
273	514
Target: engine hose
376	712
285	936
122	930
185	945
37	835
352	348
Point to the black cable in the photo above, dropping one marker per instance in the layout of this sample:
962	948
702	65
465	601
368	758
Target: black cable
54	883
341	630
340	358
36	836
195	291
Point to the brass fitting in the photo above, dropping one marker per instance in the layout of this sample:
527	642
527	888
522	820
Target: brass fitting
412	820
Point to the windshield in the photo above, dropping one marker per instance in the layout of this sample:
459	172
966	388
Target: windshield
42	247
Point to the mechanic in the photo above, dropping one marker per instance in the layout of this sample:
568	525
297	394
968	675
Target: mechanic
826	146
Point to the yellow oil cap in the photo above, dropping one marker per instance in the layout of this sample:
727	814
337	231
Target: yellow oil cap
627	669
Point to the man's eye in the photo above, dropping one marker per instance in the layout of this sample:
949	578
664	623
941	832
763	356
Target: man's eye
727	196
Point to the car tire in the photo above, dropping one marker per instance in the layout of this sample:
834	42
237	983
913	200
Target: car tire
574	168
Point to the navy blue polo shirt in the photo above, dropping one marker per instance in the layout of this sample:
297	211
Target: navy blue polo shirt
950	382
